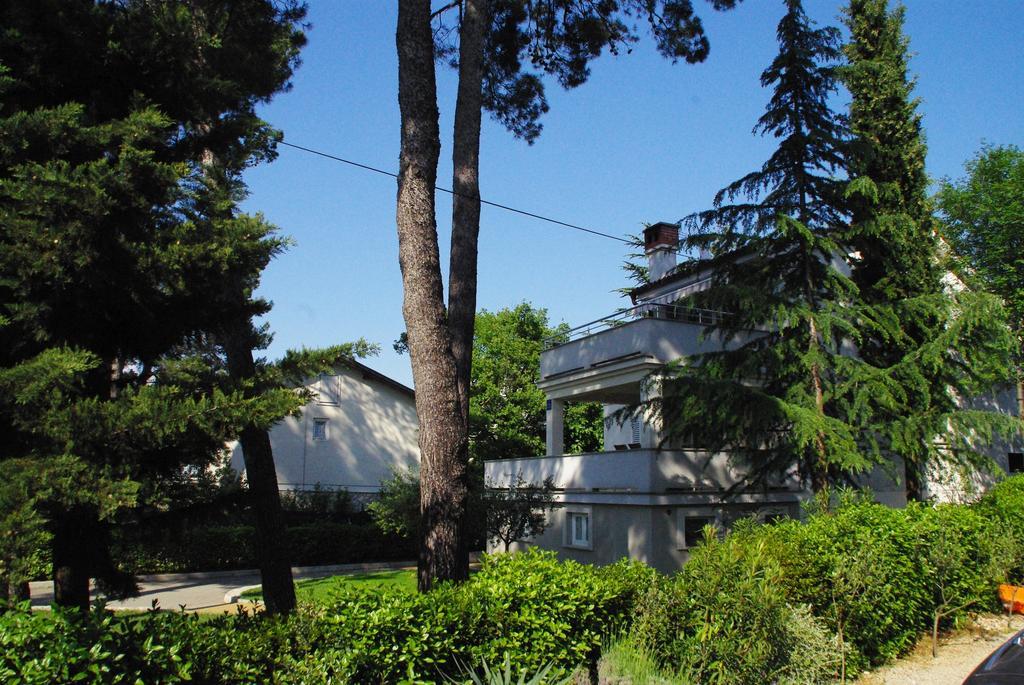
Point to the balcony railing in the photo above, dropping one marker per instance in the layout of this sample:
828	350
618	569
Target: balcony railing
650	310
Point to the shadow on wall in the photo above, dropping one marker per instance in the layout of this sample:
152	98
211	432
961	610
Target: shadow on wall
371	430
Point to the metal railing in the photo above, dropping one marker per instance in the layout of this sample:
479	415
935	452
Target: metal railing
648	310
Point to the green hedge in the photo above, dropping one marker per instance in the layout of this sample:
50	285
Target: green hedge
778	602
870	578
528	605
215	548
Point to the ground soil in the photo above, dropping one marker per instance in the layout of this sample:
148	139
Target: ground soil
959	653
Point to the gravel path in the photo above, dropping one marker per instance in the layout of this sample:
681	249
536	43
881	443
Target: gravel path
959	654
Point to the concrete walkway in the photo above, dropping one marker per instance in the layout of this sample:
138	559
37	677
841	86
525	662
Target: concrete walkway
205	591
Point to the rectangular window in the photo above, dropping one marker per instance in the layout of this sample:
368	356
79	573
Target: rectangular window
580	526
1015	462
691	527
578	529
328	389
319	429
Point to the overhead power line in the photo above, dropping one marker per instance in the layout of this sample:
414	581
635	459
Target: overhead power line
497	205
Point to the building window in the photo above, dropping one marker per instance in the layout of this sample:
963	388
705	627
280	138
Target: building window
691	524
319	429
1015	462
328	389
578	528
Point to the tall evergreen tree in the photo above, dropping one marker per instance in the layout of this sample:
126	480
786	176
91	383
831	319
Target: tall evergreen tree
109	258
943	345
892	228
778	392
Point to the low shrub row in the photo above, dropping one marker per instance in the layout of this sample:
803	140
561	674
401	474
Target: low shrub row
214	548
851	586
530	605
788	602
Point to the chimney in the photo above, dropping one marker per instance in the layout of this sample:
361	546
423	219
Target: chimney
661	240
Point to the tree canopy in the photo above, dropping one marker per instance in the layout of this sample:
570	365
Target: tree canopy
506	409
982	216
117	256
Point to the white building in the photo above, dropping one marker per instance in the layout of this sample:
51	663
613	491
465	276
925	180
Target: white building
361	426
640	498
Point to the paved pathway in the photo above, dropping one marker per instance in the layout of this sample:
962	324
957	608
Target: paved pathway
199	591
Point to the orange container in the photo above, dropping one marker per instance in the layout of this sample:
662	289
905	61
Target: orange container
1012	597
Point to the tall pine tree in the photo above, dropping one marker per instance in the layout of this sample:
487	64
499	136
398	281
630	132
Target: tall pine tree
776	393
107	262
943	344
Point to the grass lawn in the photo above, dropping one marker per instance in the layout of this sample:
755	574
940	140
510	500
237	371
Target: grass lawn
318	589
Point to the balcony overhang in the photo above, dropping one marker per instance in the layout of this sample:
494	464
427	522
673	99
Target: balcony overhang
617	381
642	476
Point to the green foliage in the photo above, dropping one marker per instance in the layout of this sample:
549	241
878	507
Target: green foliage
780	387
318	502
213	547
725	618
761	605
891	227
982	216
505	676
397	509
121	258
528	605
519	511
506	409
527	41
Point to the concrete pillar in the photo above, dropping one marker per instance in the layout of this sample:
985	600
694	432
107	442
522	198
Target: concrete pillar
556	428
650	429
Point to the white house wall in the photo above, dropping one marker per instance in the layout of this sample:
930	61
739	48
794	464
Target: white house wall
371	430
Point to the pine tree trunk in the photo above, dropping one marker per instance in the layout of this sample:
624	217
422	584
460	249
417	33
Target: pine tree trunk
443	440
73	541
271	534
819	466
462	272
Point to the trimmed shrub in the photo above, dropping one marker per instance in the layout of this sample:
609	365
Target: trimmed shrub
529	605
724	618
215	548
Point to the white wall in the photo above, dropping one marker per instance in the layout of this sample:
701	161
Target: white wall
371	429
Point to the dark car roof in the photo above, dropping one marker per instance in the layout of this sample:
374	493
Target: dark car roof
1003	666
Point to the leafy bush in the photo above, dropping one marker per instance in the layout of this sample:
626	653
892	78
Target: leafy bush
319	501
724	618
211	548
780	602
890	605
530	606
1005	504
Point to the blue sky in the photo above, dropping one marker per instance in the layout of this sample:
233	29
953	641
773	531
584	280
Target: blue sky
643	140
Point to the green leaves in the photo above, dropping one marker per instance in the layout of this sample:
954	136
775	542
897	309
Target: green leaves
983	218
506	410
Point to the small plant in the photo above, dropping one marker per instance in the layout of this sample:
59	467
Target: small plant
504	676
518	511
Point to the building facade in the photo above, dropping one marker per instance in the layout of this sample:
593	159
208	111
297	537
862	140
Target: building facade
642	498
360	427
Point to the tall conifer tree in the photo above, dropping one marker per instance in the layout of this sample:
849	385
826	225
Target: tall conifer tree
943	345
775	393
108	256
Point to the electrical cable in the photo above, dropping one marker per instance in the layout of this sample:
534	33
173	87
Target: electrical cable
452	192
